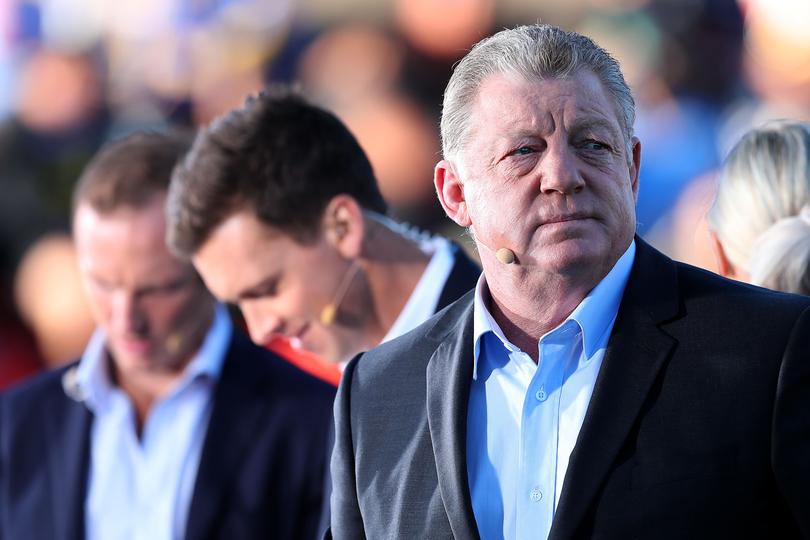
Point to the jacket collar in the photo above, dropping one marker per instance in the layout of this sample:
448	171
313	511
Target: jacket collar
449	375
235	419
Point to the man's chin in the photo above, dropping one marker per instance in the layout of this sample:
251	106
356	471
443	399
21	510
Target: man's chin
567	251
127	365
149	361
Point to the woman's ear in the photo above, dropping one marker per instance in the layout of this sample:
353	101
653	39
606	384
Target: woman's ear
724	266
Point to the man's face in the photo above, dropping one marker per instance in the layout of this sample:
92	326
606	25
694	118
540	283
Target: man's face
546	173
152	306
281	285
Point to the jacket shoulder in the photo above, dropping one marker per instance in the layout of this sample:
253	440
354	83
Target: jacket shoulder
698	283
42	386
404	358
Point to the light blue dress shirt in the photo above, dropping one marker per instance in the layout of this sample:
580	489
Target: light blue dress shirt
524	418
142	488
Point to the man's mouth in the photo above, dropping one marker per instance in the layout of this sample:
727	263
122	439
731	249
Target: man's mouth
297	338
134	345
564	218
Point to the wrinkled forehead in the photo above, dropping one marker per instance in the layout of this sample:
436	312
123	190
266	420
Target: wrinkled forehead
509	104
518	92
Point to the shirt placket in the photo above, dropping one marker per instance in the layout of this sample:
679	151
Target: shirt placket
540	437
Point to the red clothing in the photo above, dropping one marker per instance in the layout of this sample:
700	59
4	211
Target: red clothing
305	360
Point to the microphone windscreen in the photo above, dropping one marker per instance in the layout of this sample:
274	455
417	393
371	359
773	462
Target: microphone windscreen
328	314
505	255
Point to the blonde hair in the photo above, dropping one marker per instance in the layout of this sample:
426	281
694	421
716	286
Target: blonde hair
781	256
765	180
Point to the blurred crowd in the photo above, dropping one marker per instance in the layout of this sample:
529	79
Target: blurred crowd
76	73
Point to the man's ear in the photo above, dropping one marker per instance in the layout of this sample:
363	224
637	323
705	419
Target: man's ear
724	266
342	225
635	165
451	192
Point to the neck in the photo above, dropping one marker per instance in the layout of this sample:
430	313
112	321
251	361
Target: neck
148	385
527	303
146	389
393	265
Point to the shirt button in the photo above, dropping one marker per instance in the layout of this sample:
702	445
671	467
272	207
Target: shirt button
536	495
540	395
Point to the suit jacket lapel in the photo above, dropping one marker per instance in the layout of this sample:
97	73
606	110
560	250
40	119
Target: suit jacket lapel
230	431
449	374
68	434
636	352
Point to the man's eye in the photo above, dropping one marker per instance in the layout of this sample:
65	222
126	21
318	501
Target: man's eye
265	291
164	288
522	151
101	286
596	146
269	291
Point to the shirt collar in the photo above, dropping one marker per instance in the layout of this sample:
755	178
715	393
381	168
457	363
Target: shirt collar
425	296
93	376
594	314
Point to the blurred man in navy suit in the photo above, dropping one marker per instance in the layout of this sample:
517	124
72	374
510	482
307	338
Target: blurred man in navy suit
172	424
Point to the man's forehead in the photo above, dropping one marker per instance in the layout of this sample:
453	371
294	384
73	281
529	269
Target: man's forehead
513	94
125	233
239	253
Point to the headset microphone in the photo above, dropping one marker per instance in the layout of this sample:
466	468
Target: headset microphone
505	255
329	311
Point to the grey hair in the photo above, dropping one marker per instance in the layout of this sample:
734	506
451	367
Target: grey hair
765	179
536	51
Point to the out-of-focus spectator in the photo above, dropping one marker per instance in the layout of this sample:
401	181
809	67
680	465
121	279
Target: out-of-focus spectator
49	297
760	219
172	424
357	71
685	231
19	357
347	64
444	29
59	120
775	62
777	52
403	157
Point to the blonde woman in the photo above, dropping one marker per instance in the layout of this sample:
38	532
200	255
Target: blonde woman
760	219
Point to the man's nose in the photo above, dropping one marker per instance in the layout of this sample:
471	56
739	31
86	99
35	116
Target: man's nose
559	171
127	313
261	324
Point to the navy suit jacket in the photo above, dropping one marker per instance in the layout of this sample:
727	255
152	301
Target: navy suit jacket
463	277
260	474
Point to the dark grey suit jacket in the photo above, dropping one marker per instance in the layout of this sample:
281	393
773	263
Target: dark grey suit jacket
699	424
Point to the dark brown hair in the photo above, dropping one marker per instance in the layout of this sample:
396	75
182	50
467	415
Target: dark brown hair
278	156
130	171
